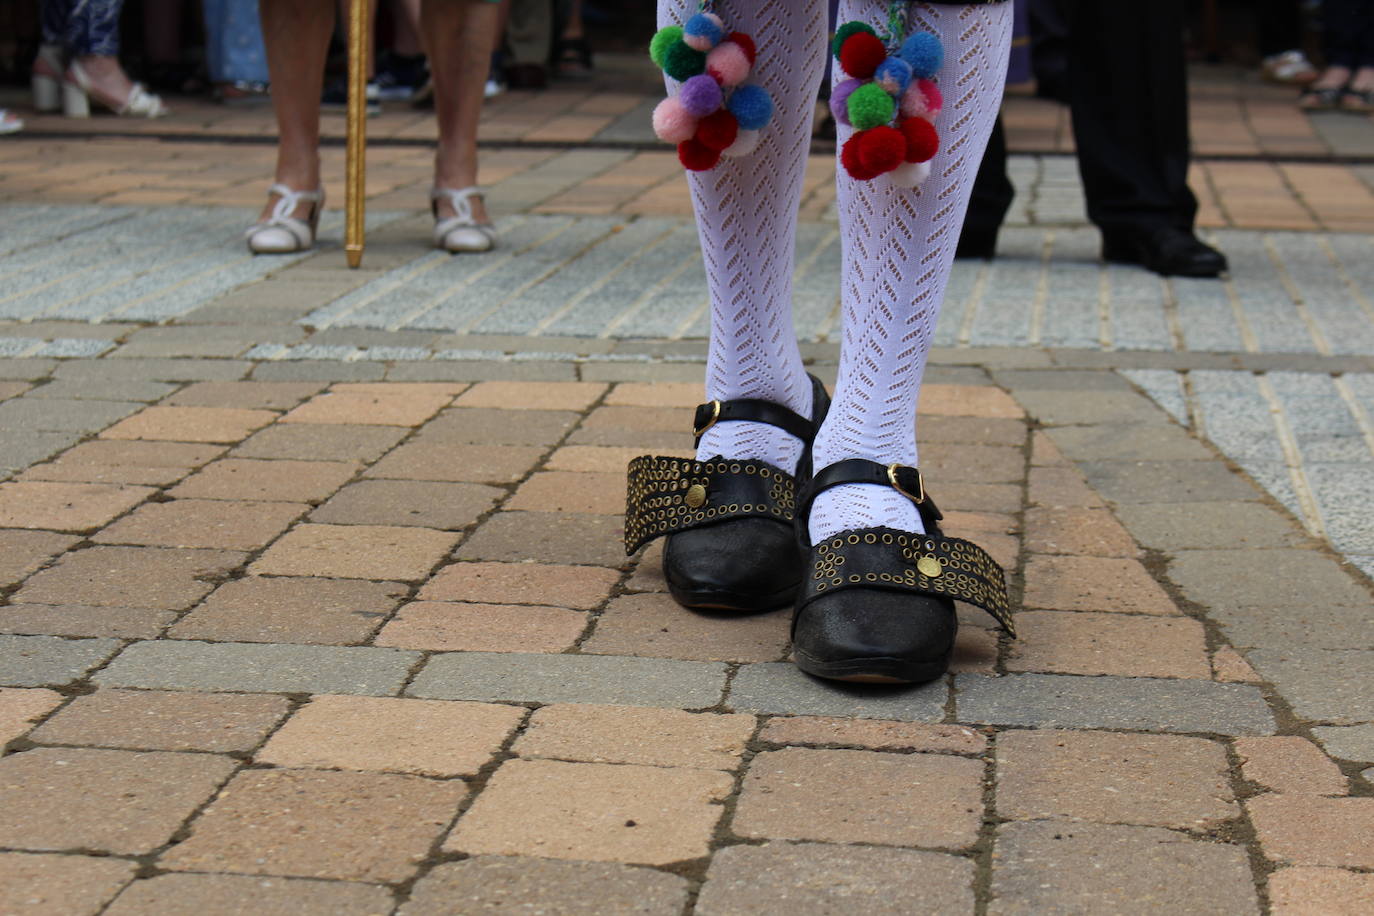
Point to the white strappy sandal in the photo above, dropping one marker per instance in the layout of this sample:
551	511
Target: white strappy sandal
77	92
282	233
460	232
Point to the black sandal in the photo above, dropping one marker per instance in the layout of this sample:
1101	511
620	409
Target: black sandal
731	543
878	605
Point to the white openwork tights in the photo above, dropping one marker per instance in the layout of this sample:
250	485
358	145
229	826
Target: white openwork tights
898	248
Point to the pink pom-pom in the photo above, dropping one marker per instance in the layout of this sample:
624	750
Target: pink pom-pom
839	100
700	95
672	123
934	100
745	42
727	64
913	103
909	174
746	141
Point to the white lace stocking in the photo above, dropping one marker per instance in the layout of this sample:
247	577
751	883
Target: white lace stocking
746	212
898	249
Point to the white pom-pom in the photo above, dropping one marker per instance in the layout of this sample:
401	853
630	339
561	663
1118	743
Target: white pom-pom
746	141
909	174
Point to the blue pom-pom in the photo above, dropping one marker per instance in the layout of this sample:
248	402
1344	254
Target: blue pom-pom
894	75
703	31
924	53
752	106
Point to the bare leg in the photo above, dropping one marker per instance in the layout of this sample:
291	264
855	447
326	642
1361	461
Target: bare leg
460	35
296	33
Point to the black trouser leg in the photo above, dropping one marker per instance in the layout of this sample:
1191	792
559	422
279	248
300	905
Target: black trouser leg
991	198
1129	97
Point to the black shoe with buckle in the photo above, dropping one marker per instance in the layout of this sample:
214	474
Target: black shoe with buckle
729	522
878	603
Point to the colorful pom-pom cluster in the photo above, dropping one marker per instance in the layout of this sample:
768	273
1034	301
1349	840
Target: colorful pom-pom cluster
890	101
713	114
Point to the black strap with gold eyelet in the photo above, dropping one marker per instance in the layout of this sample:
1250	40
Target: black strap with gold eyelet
886	558
666	495
753	410
905	480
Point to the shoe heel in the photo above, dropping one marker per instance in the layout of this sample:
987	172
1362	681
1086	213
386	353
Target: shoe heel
75	102
47	93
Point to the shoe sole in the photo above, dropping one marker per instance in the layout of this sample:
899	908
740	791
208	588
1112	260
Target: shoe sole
712	600
875	670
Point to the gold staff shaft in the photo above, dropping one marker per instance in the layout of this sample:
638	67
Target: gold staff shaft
356	154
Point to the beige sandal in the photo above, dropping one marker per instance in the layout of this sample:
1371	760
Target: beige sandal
460	232
282	233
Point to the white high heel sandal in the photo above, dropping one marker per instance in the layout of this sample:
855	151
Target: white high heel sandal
282	233
47	85
460	232
77	92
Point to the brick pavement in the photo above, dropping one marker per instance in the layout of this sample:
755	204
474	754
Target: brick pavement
339	626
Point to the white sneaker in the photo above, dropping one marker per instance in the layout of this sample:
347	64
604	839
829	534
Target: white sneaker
1291	68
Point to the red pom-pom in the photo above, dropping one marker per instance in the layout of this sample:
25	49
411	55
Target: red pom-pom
696	156
861	54
717	131
745	42
881	149
922	142
853	162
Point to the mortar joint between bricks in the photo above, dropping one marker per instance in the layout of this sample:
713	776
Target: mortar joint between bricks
436	854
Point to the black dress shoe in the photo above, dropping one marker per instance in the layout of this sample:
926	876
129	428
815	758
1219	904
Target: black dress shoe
731	544
1164	249
878	605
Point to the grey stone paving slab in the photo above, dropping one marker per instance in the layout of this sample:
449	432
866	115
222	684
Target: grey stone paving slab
535	678
156	370
1166	481
1321	684
1348	742
1149	704
18	452
259	668
780	687
1173	527
48	661
1268	578
319	371
108	390
1298	627
1117	442
1059	868
55	415
26	369
1075	408
1165	388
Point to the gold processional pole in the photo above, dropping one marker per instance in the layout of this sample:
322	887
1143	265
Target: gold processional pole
355	170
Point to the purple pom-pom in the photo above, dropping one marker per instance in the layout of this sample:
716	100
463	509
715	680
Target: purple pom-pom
894	75
703	31
839	100
924	52
700	95
753	106
672	123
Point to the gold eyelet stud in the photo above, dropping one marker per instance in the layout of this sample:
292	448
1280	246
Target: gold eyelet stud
696	496
929	567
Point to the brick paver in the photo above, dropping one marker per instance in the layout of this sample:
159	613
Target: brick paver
302	615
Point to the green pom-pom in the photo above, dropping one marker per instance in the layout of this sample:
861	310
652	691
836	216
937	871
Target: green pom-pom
682	62
870	106
664	39
844	31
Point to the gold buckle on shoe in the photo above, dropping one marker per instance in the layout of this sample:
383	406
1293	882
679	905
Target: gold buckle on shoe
920	496
699	431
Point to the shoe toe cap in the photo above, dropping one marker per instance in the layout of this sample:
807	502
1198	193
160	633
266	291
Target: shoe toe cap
747	558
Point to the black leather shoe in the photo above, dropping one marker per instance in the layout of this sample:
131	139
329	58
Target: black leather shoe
1164	249
878	604
731	544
